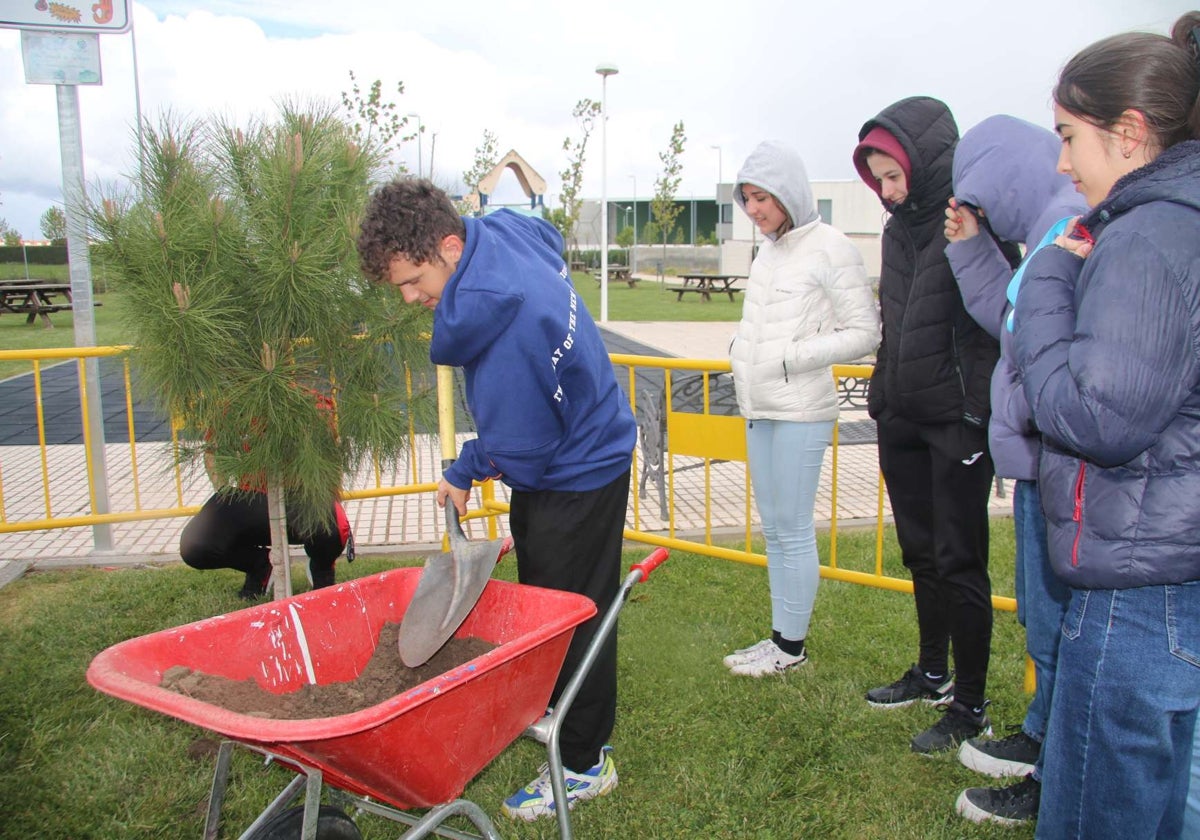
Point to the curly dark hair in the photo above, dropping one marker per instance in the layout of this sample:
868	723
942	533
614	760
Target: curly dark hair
409	217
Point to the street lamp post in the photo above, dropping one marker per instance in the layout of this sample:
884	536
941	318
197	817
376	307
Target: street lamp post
720	177
605	70
633	253
417	117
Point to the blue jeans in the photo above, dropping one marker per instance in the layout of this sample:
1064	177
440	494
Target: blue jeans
1119	747
785	470
1042	600
1191	816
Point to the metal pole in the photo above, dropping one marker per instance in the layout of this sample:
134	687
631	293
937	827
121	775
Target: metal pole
137	105
432	149
633	256
420	166
75	201
605	70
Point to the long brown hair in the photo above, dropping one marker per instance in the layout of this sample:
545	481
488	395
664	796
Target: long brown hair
1152	74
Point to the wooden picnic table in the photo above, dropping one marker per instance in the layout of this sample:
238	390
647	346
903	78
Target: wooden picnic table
706	285
618	273
34	299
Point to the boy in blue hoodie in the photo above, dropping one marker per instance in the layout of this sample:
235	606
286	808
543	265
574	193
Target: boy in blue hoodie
552	423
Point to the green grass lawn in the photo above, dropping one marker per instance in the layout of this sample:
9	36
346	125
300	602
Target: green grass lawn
650	301
15	334
700	753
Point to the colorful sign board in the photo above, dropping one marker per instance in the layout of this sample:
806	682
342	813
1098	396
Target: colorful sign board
67	16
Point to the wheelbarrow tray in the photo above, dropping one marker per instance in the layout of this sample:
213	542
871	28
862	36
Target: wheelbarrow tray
415	750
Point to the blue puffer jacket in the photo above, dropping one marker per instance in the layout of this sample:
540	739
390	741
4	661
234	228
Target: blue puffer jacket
1108	349
1006	166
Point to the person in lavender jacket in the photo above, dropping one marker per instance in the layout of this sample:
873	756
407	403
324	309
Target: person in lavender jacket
1005	184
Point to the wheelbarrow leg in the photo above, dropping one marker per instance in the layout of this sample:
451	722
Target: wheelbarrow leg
216	796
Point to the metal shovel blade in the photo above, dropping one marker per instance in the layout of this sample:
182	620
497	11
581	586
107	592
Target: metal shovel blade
448	590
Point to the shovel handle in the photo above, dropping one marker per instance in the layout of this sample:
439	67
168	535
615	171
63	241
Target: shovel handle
453	526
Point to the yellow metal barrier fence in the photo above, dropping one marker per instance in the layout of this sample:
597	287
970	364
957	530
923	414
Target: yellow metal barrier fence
694	456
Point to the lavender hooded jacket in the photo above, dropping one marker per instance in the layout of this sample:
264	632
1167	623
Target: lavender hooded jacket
1006	166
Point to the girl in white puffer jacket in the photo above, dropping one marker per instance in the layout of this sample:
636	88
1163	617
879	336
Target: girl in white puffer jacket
808	305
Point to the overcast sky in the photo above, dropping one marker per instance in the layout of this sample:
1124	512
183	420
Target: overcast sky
806	72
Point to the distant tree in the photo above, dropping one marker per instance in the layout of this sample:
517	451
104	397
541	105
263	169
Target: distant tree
486	158
663	206
625	236
585	112
375	123
651	233
10	235
54	225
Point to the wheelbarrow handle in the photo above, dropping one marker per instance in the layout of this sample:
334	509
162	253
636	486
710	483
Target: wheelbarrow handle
652	561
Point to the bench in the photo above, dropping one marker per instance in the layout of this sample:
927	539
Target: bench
705	292
618	274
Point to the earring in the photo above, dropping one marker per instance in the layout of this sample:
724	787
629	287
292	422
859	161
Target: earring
1127	153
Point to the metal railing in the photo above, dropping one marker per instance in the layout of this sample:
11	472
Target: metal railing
691	452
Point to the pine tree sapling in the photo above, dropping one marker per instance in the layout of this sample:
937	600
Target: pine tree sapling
243	298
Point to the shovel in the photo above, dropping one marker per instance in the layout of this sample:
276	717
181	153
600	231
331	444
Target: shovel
452	581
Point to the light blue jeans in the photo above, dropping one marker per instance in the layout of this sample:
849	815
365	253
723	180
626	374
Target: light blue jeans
1042	600
785	469
1119	747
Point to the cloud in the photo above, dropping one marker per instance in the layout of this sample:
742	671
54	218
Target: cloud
806	73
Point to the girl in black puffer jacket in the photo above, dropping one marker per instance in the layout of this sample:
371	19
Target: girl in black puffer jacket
929	398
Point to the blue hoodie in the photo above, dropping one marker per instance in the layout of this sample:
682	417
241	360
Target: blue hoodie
539	382
1007	167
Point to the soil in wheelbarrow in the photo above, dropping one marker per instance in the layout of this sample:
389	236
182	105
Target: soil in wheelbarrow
385	676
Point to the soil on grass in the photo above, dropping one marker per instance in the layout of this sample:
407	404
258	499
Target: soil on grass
385	676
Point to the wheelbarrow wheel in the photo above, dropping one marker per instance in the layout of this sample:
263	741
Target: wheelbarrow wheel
332	824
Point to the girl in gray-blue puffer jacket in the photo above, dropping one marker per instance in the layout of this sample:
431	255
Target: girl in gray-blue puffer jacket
1107	341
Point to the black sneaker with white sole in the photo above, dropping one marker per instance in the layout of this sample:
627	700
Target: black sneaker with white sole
912	687
959	723
1014	755
1012	805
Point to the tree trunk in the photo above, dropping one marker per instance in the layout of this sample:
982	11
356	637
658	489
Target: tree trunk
281	567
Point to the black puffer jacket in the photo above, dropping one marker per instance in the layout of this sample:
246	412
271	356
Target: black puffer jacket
935	363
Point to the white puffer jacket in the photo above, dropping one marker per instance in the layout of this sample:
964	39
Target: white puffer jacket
808	304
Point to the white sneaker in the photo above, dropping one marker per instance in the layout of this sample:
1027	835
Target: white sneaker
771	660
747	654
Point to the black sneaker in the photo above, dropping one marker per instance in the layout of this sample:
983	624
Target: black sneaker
959	723
257	581
910	688
321	577
1012	805
1011	756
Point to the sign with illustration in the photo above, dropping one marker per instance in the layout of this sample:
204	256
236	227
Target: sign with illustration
72	16
61	58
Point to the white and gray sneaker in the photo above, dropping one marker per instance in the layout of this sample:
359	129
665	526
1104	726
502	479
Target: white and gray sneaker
747	654
770	660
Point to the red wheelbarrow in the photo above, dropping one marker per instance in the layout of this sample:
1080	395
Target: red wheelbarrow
415	750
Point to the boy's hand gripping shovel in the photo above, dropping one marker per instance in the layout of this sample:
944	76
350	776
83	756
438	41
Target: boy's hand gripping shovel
452	581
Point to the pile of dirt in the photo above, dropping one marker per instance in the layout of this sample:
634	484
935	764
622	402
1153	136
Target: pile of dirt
385	676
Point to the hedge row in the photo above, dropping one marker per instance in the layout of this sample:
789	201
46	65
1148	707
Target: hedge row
36	255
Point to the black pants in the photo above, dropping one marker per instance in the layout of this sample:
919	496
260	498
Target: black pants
572	542
234	532
939	478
